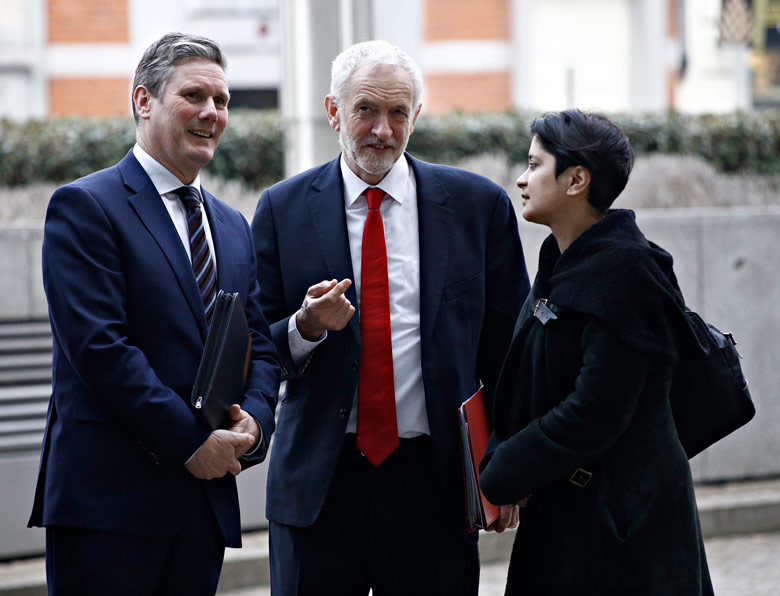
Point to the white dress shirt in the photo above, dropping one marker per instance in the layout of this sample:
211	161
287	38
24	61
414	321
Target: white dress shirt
399	216
165	182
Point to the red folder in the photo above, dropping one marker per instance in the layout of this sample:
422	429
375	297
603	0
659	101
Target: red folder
474	432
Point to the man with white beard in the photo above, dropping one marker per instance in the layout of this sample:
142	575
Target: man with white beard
365	489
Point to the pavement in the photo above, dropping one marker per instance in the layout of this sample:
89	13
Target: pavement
740	523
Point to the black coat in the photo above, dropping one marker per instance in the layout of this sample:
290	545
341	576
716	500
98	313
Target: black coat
583	423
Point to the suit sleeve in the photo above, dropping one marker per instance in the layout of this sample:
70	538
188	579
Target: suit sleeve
263	378
272	299
583	426
86	290
506	287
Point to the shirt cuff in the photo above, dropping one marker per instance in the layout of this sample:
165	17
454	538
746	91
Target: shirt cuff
300	348
259	443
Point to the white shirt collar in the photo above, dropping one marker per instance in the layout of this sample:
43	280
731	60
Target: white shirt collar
395	183
162	178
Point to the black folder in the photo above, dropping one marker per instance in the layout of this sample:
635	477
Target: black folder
224	364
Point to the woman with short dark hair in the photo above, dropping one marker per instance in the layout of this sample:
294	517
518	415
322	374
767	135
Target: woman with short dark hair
584	439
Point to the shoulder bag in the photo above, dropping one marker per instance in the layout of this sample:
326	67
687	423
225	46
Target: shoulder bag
709	396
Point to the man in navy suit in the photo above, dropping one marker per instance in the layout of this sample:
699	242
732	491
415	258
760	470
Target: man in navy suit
137	496
343	519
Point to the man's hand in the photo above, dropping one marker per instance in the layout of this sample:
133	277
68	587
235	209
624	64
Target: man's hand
243	422
324	307
217	455
508	516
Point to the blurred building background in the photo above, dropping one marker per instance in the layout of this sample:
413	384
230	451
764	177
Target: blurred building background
74	57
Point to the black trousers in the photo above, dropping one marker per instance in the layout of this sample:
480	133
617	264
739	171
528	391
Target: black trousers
383	529
87	561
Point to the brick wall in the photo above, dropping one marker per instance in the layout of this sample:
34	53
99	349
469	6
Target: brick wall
89	97
466	19
88	21
462	22
470	92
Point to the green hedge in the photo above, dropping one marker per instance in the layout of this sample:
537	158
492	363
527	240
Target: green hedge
60	150
737	142
252	148
63	149
449	139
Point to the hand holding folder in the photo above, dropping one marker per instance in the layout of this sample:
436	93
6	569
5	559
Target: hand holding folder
474	435
224	364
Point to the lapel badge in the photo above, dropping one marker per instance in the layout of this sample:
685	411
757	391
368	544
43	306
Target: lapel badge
543	312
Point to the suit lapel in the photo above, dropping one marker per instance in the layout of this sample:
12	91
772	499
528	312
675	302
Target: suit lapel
148	205
435	223
326	207
217	224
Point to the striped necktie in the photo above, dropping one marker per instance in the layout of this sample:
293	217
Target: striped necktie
202	261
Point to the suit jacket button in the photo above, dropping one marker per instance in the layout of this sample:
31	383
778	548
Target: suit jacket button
354	365
343	413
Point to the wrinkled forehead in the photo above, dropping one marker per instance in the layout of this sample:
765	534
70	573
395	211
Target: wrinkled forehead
382	83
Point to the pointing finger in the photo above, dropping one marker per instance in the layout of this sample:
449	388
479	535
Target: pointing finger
321	288
340	288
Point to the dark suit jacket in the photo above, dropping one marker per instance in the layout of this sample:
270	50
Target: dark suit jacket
129	330
472	282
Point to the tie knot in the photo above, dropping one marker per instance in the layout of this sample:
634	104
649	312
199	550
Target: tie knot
189	196
375	197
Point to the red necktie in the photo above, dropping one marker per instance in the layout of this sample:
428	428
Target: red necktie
377	429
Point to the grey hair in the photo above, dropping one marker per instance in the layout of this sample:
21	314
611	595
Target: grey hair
372	54
164	55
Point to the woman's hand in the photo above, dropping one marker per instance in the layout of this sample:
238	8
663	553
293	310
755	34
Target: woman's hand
508	516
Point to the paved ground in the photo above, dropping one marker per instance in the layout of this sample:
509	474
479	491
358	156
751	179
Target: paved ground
745	565
740	566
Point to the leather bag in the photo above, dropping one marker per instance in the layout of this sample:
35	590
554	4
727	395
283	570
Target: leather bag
224	364
709	396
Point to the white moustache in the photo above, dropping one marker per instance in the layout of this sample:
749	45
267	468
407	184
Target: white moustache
390	144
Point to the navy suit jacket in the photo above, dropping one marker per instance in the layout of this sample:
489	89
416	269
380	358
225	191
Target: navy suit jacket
472	283
129	329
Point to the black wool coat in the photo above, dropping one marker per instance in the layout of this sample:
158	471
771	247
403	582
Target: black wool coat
583	423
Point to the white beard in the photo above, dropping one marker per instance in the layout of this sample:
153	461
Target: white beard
372	164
